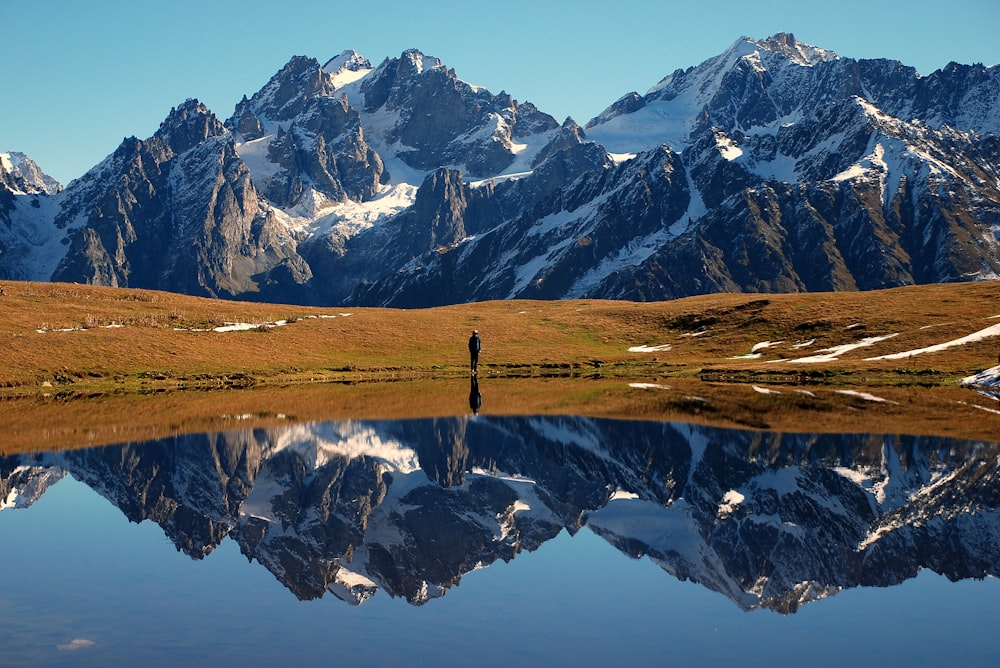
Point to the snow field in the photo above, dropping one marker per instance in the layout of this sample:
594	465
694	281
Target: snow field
988	379
832	353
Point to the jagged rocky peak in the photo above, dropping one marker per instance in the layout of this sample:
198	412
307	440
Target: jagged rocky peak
19	173
626	104
188	125
568	136
382	87
747	54
245	122
347	61
443	120
531	120
288	92
421	62
785	44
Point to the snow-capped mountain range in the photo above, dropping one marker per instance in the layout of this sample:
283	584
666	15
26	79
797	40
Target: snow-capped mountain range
349	508
775	166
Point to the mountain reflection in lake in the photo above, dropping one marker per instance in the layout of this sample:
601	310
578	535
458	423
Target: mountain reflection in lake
350	508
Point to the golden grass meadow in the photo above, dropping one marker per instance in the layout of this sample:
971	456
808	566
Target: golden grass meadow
89	365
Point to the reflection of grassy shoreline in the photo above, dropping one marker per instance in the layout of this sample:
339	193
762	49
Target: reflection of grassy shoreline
122	347
68	421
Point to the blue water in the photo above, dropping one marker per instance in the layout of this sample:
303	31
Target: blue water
506	506
76	569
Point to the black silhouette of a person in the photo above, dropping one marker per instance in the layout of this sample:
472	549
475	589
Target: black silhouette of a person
475	398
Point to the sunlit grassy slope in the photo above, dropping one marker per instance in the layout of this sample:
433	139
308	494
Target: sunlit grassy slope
126	351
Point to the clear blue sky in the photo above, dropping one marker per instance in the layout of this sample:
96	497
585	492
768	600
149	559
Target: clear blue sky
79	76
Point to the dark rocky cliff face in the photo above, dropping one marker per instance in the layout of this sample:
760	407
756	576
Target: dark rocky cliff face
445	121
320	142
175	212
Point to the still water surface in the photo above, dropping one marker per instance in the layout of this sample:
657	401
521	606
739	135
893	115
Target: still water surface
538	540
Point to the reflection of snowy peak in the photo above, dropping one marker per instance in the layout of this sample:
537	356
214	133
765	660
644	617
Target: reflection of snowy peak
26	483
768	520
775	166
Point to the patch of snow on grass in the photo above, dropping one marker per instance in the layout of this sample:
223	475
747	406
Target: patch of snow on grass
763	390
649	386
650	349
982	408
986	378
831	354
991	331
241	326
236	327
864	395
755	351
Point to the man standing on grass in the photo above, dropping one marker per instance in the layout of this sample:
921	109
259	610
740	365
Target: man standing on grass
475	345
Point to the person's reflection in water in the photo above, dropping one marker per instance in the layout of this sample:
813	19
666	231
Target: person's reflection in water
475	398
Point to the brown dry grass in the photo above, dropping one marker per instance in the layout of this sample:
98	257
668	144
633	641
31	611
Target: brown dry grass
102	384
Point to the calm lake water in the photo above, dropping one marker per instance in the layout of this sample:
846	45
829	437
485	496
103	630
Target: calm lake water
492	541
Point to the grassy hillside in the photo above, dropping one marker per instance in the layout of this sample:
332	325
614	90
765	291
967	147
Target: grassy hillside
127	351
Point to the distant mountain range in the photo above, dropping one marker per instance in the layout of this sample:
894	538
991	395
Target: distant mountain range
409	507
773	167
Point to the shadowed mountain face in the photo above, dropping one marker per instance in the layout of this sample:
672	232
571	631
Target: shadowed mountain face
767	519
775	166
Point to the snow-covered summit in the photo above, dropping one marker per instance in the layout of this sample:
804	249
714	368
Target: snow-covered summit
798	52
421	61
751	84
760	86
347	68
348	59
765	54
22	175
